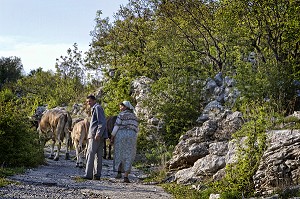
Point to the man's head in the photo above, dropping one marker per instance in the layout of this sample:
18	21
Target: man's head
91	100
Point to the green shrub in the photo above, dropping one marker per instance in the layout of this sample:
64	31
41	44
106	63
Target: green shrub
19	142
4	172
186	191
159	155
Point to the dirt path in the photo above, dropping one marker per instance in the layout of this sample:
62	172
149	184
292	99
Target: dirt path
59	179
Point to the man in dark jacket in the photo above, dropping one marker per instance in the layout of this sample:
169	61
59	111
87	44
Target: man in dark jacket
96	137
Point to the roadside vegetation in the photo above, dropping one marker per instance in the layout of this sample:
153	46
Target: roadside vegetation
4	172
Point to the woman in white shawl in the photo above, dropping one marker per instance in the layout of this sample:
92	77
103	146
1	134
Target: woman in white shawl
124	137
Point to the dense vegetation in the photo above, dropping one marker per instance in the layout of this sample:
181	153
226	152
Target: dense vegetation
178	44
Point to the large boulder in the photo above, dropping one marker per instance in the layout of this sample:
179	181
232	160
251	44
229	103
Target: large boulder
280	164
206	149
140	90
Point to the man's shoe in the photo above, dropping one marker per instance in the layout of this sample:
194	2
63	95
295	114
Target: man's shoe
119	175
96	177
86	178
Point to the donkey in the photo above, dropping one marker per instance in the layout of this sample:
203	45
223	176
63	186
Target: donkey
110	122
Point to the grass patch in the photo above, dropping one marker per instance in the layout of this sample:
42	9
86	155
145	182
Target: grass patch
185	191
4	182
4	172
289	193
289	122
79	179
155	175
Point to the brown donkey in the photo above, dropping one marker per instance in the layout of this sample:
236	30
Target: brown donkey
110	122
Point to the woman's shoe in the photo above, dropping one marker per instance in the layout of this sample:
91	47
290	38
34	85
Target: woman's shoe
126	179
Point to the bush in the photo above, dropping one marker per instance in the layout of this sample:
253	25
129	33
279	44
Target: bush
19	142
185	191
4	172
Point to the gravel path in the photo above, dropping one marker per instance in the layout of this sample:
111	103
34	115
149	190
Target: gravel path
59	179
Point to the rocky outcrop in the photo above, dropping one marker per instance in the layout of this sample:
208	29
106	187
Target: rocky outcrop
204	151
218	94
140	89
80	110
280	164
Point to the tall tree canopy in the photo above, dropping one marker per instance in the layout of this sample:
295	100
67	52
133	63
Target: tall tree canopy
269	29
11	70
179	44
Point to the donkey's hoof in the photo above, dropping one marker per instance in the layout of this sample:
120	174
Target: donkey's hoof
67	156
56	159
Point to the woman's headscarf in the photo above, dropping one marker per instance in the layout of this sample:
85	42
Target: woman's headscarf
128	105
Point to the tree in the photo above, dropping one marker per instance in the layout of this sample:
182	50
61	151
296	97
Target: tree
42	88
71	76
122	46
270	29
142	42
178	43
36	89
19	142
70	65
10	70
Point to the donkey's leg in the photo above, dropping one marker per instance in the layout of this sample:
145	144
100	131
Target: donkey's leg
109	151
56	158
80	156
104	149
77	155
51	155
68	145
59	132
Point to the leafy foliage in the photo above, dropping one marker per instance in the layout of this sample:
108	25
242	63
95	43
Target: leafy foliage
4	172
54	89
175	99
19	142
267	29
186	191
10	70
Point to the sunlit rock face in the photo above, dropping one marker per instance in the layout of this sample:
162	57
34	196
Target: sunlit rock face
280	164
204	151
140	91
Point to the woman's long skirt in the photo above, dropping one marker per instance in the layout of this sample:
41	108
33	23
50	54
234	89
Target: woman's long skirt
124	150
